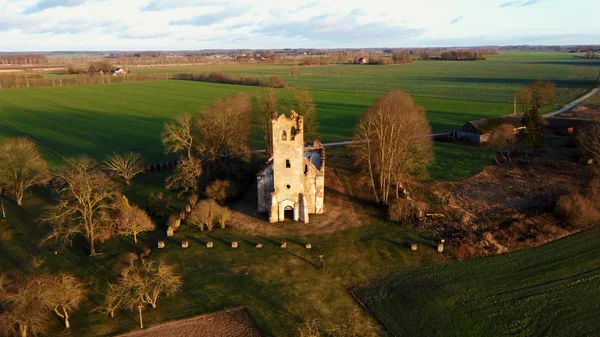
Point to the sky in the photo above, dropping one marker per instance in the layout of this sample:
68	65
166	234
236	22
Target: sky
108	25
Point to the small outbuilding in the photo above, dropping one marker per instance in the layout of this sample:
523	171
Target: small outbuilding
479	130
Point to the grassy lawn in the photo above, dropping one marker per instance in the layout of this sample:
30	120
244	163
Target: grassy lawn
551	290
278	286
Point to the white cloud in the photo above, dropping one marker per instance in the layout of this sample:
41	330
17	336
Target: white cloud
204	24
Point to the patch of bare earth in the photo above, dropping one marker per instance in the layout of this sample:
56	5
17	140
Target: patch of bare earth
230	323
339	213
583	112
508	207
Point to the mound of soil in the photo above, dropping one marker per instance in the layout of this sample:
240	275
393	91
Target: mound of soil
339	213
509	206
230	323
583	112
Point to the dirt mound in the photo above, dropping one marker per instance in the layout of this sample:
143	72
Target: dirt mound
339	213
508	207
230	323
583	112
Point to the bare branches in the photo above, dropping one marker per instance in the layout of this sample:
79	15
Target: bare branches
62	294
142	285
267	104
589	139
224	128
186	176
84	203
178	135
393	144
502	140
132	220
21	166
308	110
24	311
126	166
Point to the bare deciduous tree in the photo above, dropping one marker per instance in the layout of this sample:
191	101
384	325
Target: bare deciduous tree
266	107
222	215
589	140
502	140
308	110
224	127
186	176
131	220
393	144
85	201
179	135
24	312
62	294
204	214
126	166
21	166
532	99
218	190
143	284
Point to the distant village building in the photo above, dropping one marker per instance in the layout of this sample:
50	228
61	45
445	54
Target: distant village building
363	60
292	185
118	71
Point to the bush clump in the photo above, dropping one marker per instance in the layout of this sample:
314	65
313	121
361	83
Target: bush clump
405	210
577	211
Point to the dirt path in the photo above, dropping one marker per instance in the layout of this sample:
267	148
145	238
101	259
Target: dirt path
231	323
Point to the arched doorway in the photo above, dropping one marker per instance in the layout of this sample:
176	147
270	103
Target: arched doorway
288	213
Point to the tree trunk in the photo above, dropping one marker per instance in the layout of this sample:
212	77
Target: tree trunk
141	322
67	324
128	182
92	248
112	314
135	237
23	330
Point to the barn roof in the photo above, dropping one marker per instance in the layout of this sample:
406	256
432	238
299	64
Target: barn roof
485	125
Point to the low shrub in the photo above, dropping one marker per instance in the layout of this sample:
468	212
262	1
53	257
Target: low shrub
405	210
577	211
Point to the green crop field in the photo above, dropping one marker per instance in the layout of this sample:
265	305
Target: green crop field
551	290
100	119
492	80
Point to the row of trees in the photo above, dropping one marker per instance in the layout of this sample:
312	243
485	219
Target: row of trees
21	80
23	59
459	55
216	77
28	302
217	138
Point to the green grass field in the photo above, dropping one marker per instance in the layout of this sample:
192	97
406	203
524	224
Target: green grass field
100	119
278	286
551	290
492	80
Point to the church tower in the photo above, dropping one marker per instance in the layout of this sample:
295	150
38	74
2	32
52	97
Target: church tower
291	185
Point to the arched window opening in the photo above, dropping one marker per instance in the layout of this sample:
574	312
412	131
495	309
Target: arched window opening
305	169
293	133
283	135
287	163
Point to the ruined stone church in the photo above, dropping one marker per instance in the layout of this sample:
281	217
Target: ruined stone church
292	184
